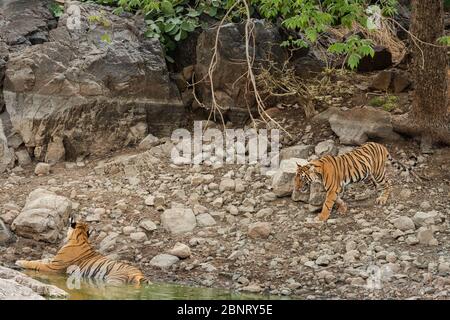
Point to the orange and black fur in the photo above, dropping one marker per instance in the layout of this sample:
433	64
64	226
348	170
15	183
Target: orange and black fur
335	172
77	255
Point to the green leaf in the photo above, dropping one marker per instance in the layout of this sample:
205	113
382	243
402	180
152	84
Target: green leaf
106	38
188	26
353	60
167	8
445	40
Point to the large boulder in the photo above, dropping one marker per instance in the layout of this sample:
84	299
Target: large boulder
97	85
22	24
178	220
15	285
6	154
228	79
357	125
43	217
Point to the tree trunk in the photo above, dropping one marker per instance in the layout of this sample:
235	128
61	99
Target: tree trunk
428	117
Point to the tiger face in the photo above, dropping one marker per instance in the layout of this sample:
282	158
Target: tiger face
303	177
76	229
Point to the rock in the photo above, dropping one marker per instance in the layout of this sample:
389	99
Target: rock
283	179
405	193
300	151
148	142
55	151
15	285
148	225
227	184
180	250
426	218
412	240
138	236
43	217
205	220
323	260
178	220
259	230
356	126
404	223
5	235
401	82
326	147
23	157
231	48
42	169
444	268
163	260
6	154
382	59
317	194
254	288
109	242
382	81
98	96
425	236
128	230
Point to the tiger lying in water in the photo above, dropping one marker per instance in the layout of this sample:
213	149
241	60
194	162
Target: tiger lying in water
335	172
77	254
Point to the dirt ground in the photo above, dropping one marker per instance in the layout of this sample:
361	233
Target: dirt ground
301	258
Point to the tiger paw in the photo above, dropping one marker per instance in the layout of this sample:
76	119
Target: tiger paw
381	200
323	217
20	263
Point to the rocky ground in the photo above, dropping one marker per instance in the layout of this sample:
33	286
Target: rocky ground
224	226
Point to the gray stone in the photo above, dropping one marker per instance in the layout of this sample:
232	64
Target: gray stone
42	169
404	223
6	154
227	184
15	285
178	220
148	225
138	236
326	147
180	250
148	142
5	235
356	126
426	218
205	220
259	230
323	260
163	260
23	157
283	179
43	217
425	236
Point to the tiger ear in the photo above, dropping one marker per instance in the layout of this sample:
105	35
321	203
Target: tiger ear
72	222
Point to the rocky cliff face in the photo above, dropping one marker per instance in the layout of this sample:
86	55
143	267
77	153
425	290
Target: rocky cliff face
96	85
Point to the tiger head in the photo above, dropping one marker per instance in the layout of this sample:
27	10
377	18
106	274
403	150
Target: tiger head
78	230
304	176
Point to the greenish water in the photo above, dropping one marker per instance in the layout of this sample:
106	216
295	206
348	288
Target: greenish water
94	290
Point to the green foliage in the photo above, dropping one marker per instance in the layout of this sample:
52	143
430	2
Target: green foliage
388	102
56	10
445	40
104	22
355	48
171	21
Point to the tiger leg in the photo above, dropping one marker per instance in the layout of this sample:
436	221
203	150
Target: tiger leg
342	206
39	265
328	205
383	185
